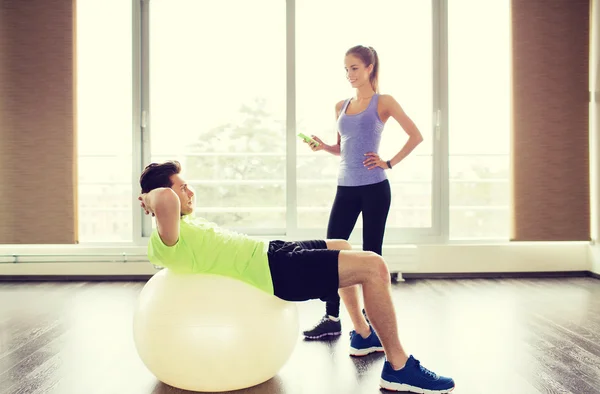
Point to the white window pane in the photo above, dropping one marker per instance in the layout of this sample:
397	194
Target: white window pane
104	120
217	104
400	32
479	129
471	222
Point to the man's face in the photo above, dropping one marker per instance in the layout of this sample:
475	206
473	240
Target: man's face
186	194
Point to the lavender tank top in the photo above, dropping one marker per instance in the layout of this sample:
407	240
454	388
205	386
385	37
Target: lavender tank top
360	133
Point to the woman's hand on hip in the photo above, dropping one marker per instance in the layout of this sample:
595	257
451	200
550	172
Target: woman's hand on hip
373	161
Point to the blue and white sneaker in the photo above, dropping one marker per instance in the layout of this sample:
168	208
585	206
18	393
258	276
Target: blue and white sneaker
415	378
360	346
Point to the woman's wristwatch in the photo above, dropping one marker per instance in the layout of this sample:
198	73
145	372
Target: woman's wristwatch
389	164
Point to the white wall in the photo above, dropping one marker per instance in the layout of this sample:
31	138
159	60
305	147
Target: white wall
77	268
594	252
481	258
528	257
516	257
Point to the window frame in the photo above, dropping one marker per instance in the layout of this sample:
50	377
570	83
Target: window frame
438	232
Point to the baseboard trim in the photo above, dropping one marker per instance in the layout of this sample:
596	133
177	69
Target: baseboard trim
429	275
499	275
594	275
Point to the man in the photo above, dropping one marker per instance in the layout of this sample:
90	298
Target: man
293	271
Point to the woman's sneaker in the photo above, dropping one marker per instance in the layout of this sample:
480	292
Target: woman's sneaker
324	328
415	378
360	346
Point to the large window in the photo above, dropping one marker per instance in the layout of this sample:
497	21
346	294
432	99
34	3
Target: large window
104	120
479	127
226	94
217	104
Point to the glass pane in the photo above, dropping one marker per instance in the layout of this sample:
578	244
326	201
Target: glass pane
475	223
115	218
483	194
104	120
406	74
479	128
217	104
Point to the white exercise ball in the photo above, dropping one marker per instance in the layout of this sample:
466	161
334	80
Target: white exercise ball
204	332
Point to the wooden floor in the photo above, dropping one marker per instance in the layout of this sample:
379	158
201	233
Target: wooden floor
513	336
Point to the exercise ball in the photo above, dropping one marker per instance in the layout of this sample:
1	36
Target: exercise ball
204	332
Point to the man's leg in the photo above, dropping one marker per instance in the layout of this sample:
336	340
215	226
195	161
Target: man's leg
400	372
311	273
369	270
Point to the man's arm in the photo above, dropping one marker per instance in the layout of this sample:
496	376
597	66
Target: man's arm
163	203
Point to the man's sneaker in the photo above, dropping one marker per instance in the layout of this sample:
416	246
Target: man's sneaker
324	328
415	378
360	346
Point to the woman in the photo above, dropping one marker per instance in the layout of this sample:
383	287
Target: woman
362	182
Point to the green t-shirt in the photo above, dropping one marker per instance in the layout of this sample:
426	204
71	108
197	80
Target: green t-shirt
203	247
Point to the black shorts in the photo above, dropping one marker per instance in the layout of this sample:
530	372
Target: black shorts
303	270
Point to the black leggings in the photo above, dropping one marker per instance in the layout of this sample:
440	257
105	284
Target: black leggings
374	203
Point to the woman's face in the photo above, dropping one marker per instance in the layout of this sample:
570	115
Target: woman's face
356	71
